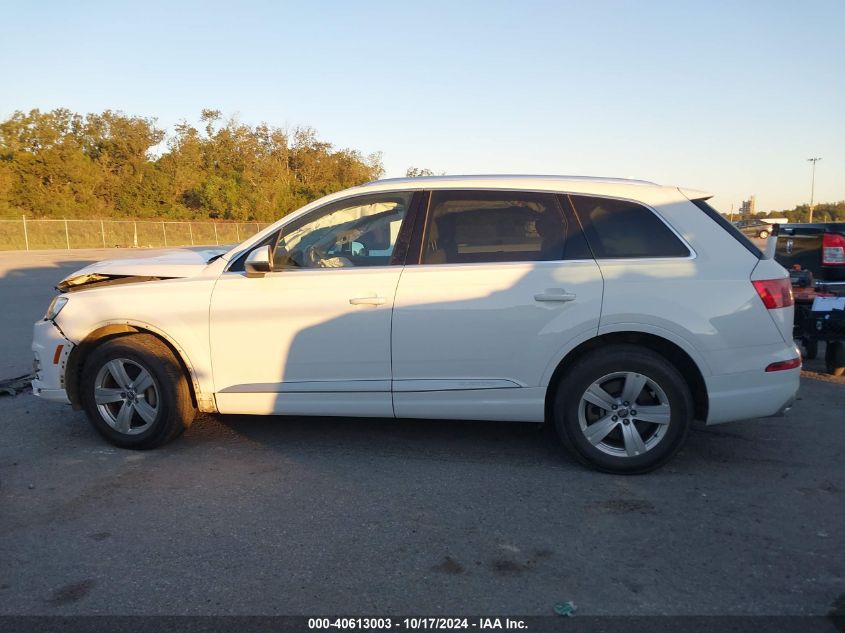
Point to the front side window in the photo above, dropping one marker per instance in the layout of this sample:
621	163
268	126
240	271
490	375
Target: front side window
357	232
493	226
619	229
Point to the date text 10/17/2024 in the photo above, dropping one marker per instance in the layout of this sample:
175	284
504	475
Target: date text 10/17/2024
417	624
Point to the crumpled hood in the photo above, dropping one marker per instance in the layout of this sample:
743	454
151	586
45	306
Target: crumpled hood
173	264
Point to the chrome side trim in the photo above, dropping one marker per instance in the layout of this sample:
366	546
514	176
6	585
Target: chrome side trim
312	386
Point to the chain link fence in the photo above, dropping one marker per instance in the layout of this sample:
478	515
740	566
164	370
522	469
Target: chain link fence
24	234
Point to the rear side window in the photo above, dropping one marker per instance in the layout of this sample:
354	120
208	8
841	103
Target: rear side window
738	235
618	229
493	226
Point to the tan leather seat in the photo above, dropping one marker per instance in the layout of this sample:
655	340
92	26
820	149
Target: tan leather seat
434	252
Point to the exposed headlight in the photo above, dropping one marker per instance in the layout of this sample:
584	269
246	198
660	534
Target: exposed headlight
56	305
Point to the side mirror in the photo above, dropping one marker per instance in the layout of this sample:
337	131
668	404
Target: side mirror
259	262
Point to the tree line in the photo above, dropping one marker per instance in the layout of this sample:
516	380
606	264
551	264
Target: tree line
61	164
822	212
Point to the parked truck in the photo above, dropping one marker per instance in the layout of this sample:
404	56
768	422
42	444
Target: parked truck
818	248
814	255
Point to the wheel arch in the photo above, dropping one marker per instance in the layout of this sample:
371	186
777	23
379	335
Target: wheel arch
108	331
673	352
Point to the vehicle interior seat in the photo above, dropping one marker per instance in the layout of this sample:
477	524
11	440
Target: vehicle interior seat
435	253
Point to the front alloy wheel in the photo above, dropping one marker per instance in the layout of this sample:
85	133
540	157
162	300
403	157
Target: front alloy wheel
135	391
127	396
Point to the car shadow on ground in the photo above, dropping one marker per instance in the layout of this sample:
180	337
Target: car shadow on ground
457	441
405	438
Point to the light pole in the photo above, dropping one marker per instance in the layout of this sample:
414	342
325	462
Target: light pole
813	185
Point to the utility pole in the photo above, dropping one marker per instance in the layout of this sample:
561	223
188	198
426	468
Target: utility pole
813	185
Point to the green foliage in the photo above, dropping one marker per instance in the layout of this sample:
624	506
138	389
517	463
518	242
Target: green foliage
416	172
822	212
62	164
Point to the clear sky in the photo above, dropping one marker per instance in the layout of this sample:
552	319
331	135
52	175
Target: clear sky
729	97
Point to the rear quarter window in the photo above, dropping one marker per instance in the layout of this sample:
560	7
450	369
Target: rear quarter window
734	232
621	229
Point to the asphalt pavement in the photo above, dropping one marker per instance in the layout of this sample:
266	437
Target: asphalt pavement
251	515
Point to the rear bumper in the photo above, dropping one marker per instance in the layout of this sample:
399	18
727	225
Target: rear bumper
753	394
50	350
785	409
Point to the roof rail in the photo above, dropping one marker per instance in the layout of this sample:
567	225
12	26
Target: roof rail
515	177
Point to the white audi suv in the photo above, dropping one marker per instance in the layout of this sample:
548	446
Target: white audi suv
619	311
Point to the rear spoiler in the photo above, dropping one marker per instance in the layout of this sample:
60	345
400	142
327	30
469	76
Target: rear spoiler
694	194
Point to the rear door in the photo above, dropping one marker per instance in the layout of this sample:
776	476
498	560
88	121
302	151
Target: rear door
503	283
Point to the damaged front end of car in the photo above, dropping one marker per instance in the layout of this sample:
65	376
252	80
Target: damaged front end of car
99	280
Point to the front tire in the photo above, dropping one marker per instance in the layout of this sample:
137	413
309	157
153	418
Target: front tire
623	409
135	392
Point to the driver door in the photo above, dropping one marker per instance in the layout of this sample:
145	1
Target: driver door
312	337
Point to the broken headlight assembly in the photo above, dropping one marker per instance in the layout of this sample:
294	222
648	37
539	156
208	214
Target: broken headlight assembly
56	305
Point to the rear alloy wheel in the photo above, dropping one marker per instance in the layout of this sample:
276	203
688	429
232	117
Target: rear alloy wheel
624	414
623	409
135	392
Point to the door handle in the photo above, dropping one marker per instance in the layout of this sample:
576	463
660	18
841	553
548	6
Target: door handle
555	294
368	301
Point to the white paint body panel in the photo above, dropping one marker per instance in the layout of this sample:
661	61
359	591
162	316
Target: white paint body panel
462	341
294	334
465	325
177	263
175	309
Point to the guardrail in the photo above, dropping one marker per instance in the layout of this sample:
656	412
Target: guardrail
26	234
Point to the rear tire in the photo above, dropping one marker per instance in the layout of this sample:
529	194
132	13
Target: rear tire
135	392
834	358
595	414
811	349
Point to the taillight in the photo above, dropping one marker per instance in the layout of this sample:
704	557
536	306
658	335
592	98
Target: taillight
833	249
793	363
775	293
